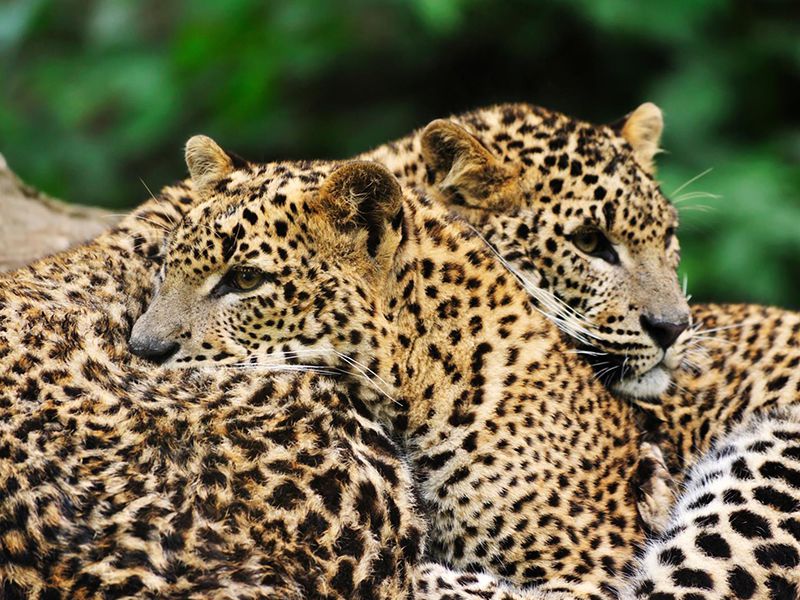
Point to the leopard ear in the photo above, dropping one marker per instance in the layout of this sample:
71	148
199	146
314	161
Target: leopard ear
642	130
464	171
364	199
208	163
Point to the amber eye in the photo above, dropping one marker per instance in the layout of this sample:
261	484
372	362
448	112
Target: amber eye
587	241
591	241
246	279
240	279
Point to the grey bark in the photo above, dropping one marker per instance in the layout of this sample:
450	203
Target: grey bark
33	224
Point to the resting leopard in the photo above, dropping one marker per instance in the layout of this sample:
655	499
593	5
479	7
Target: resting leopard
573	210
118	479
734	362
523	459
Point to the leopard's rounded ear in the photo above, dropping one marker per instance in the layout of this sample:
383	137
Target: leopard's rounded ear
363	196
464	171
208	163
642	130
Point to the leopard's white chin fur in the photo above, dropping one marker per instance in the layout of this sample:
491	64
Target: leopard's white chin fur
649	385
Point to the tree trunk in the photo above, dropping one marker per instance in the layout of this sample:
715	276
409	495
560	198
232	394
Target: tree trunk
33	225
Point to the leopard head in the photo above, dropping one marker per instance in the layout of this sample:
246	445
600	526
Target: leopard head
277	264
574	211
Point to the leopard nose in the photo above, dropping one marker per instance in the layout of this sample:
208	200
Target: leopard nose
153	349
664	332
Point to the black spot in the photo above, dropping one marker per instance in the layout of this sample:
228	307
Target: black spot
343	580
777	383
776	499
349	542
11	591
289	290
792	527
782	555
749	524
740	469
599	193
707	520
732	496
780	589
328	486
741	583
692	578
672	556
281	227
776	470
286	495
761	446
250	216
702	501
427	268
712	544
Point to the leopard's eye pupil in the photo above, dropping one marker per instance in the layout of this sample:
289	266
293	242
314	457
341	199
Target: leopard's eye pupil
587	241
246	279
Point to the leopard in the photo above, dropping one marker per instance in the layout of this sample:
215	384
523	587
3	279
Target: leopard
118	479
527	179
734	532
523	459
121	479
574	212
733	362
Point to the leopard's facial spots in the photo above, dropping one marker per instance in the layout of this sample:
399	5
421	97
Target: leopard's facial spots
263	276
597	235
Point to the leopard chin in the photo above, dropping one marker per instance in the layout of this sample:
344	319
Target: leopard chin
646	386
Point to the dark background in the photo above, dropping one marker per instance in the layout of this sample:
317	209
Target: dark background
97	98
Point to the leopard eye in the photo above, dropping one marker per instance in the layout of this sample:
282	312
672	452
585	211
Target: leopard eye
239	279
591	241
246	279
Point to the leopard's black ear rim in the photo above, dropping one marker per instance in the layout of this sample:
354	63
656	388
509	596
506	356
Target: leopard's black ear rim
363	195
464	171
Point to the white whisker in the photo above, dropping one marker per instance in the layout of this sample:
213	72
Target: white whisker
556	310
692	180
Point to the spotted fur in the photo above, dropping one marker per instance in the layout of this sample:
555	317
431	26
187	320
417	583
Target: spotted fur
118	479
735	533
737	361
524	460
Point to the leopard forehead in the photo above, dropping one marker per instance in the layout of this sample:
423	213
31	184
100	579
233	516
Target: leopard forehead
577	171
249	207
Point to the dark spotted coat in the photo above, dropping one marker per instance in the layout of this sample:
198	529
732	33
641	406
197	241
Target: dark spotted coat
118	479
735	532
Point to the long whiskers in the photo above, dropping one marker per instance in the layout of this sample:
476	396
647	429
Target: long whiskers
554	309
359	369
169	218
691	181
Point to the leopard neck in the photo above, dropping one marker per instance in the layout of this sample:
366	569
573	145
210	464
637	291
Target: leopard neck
464	339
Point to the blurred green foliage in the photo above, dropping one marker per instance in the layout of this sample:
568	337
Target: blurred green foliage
97	96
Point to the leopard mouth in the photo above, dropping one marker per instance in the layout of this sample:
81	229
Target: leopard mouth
613	372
